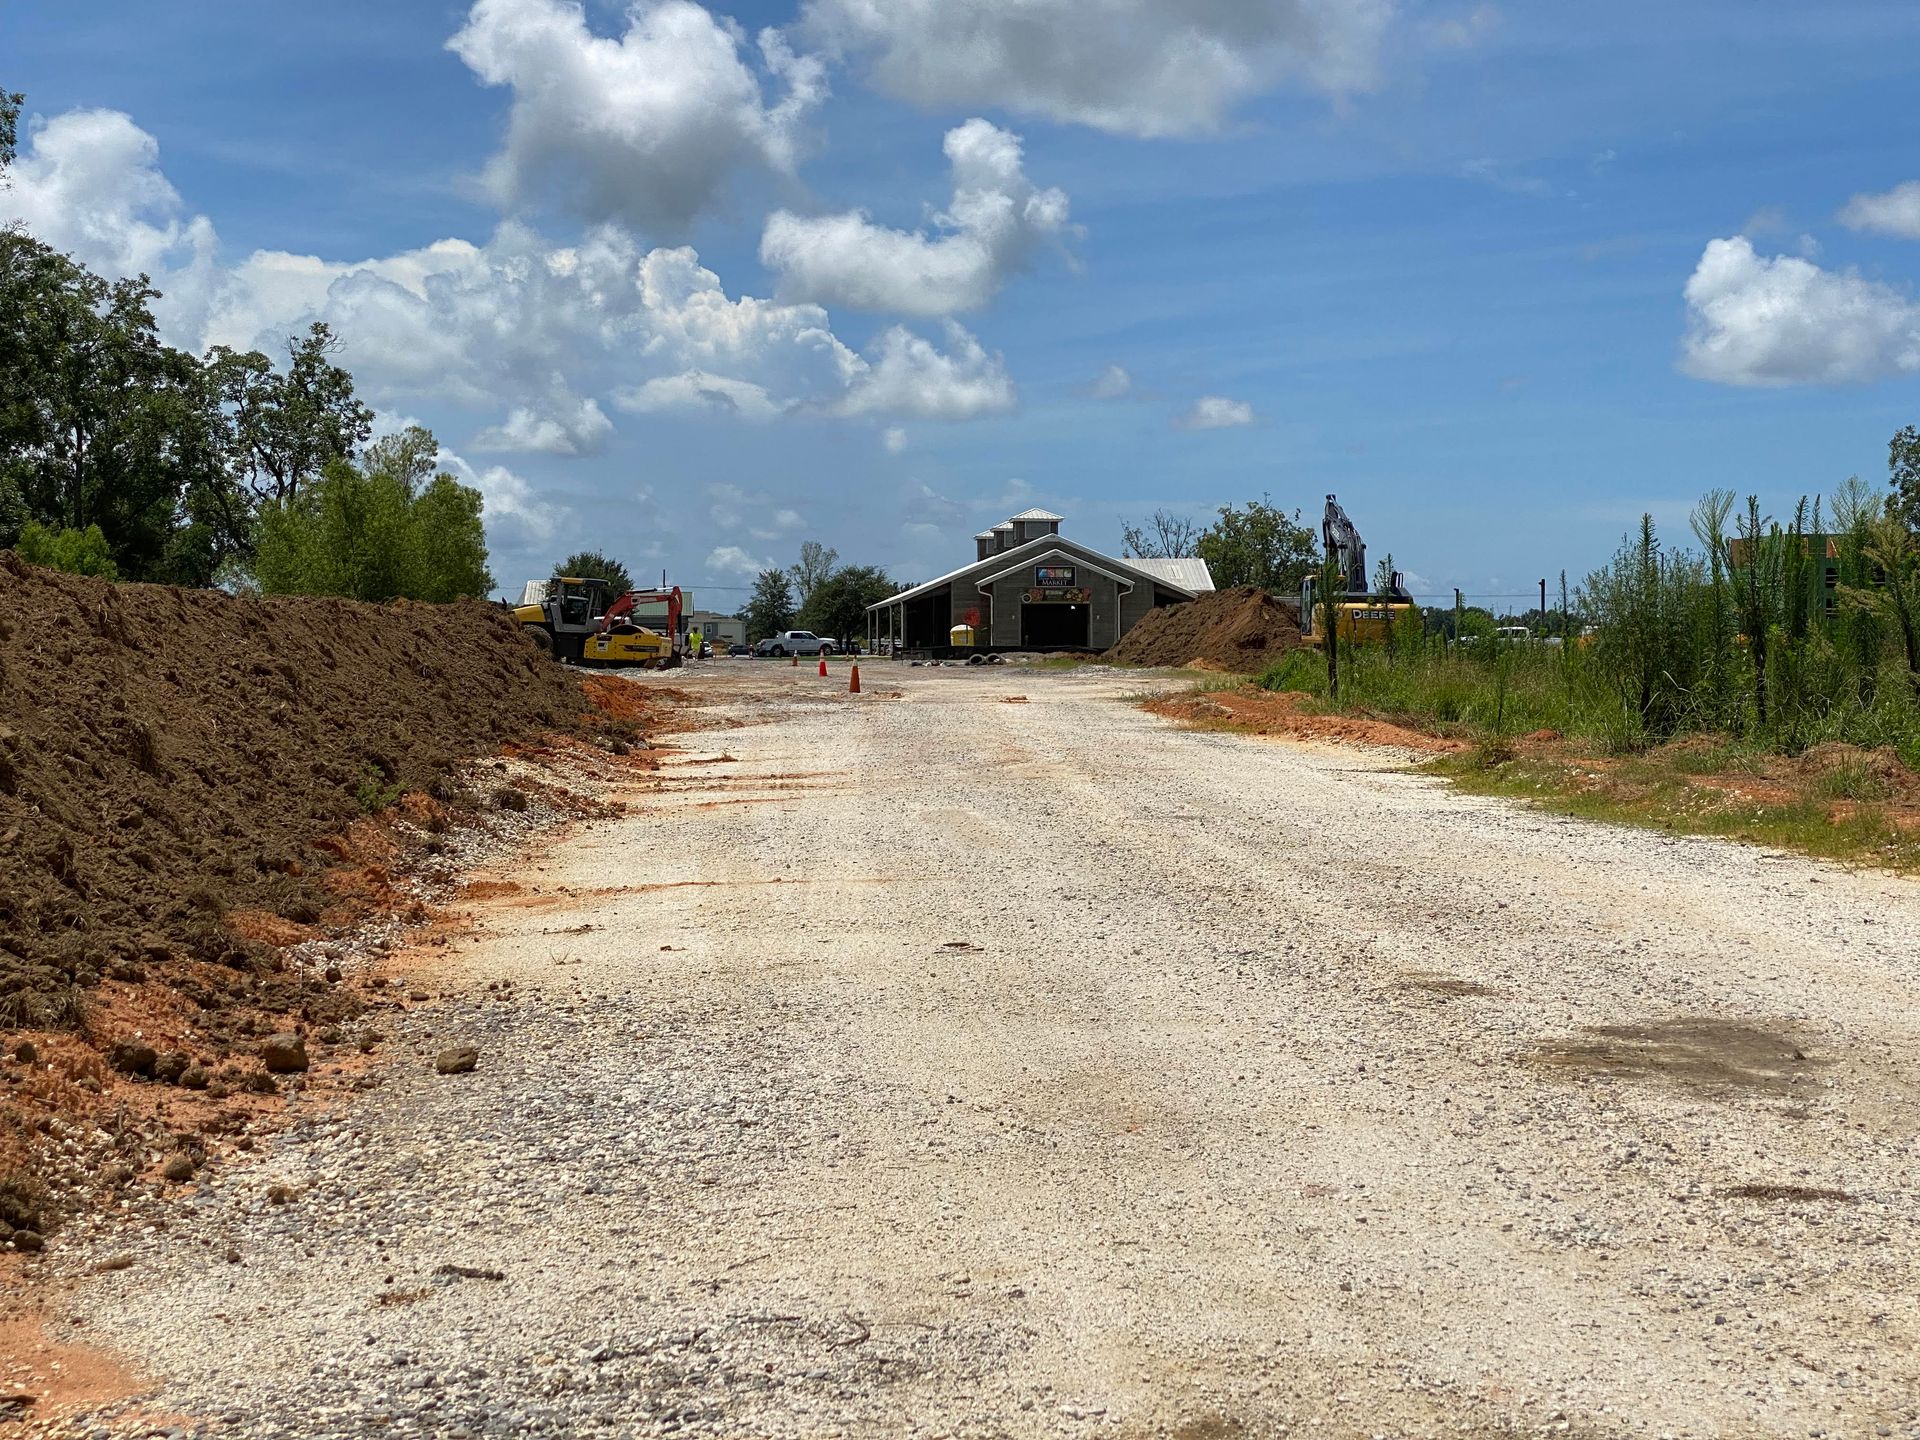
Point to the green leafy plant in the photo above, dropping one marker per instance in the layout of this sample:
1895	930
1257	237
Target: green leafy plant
375	792
78	552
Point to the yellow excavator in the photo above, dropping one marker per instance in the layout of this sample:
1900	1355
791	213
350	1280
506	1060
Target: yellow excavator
572	620
1365	616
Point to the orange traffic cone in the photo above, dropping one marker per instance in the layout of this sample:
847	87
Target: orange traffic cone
796	662
853	685
823	667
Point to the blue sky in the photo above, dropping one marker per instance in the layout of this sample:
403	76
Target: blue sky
1454	262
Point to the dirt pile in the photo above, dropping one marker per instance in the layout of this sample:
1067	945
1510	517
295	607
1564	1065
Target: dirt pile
173	759
1242	630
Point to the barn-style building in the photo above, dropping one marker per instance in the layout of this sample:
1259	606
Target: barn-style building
1030	588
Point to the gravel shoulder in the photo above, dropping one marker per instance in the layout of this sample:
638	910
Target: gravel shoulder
982	1056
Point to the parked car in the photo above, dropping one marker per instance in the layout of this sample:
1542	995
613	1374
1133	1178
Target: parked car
739	648
794	642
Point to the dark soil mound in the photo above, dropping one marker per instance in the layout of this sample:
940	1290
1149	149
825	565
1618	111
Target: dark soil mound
1243	629
168	757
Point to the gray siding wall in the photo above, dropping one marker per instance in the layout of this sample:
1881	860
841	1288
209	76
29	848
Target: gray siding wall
1006	609
1101	629
1134	608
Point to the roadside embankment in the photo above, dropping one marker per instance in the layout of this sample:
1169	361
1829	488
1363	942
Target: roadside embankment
190	781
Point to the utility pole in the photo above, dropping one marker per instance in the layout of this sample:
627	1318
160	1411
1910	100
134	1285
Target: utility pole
1457	617
1543	605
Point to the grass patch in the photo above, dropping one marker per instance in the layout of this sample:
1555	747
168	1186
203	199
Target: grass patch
1544	725
1652	791
1060	662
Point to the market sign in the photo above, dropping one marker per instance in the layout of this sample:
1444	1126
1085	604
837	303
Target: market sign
1047	577
1059	595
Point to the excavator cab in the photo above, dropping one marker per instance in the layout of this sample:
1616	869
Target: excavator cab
1363	614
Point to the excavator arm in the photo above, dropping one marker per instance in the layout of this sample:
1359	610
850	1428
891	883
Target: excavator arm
627	603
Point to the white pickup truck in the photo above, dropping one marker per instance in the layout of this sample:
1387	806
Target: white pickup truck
794	642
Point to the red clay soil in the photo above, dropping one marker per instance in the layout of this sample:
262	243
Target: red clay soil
1242	630
170	758
1265	712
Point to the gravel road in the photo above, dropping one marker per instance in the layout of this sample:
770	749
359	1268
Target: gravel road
993	1059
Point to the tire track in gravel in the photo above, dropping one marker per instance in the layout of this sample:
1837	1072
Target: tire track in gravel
1266	1087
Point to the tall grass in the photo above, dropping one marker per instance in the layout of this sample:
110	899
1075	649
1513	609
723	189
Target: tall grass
1741	640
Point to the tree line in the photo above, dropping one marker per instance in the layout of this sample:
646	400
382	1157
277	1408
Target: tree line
1258	543
125	457
816	593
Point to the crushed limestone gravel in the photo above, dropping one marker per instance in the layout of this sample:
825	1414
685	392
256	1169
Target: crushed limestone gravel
940	1066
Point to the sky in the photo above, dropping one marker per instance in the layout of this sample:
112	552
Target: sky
693	285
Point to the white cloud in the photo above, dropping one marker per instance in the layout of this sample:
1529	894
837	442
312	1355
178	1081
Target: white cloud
990	230
1786	321
1460	32
895	440
517	518
1215	412
1895	213
757	512
695	391
645	129
1135	67
904	374
89	183
732	560
580	429
515	327
1112	383
1488	171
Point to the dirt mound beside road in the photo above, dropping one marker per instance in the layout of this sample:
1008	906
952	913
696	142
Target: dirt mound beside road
1242	630
171	758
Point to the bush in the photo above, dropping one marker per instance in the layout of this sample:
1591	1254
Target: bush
78	552
380	530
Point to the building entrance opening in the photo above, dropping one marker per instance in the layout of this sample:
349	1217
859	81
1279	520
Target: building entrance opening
1054	627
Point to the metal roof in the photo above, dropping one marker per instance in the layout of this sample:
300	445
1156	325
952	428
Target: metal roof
1004	525
1036	515
1040	545
1189	572
984	535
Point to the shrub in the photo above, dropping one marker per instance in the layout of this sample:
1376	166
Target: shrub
78	552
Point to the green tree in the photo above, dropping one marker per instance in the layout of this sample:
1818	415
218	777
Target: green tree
1757	594
1642	602
1862	628
1903	474
771	609
816	564
384	529
282	430
100	423
1718	699
10	103
1888	547
838	604
1259	544
78	552
593	565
